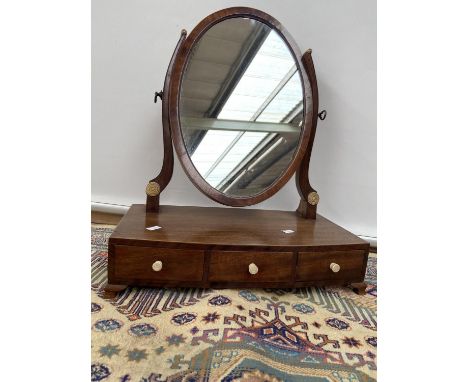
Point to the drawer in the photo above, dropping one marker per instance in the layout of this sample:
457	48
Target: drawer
154	264
318	265
251	266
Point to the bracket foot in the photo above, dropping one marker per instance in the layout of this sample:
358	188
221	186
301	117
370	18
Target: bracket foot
111	290
359	288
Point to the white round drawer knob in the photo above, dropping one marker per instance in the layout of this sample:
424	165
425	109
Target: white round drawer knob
157	266
253	269
335	267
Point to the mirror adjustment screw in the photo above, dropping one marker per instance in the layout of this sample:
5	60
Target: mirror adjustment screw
156	95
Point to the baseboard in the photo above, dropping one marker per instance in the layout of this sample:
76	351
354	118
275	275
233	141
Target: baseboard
370	239
108	208
117	209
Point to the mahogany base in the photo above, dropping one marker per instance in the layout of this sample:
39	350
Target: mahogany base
214	247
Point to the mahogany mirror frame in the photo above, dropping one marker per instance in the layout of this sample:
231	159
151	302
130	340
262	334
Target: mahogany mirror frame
172	132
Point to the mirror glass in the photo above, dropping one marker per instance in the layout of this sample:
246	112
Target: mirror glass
241	106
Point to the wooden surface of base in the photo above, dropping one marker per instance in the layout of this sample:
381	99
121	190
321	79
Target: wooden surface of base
231	227
216	247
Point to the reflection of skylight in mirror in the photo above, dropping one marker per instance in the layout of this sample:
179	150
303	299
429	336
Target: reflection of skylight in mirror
270	91
285	101
212	146
246	143
270	65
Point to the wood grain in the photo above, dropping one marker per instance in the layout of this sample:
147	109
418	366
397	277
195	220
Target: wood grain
213	247
135	263
165	175
231	228
234	266
316	265
302	174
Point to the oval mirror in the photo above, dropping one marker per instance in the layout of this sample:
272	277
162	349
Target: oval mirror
241	109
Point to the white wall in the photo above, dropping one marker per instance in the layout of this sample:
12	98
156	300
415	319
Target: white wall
132	42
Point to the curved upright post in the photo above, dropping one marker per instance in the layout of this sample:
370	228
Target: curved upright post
309	197
158	184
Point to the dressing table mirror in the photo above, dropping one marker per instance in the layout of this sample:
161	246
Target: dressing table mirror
240	107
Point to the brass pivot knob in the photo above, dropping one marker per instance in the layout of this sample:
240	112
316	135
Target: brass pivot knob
253	269
153	189
335	267
157	266
313	198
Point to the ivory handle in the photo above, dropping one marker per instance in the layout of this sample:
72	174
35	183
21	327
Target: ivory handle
157	266
253	269
335	267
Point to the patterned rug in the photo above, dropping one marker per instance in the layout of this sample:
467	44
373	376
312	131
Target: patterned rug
255	335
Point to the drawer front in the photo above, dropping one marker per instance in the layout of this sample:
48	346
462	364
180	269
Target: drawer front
251	266
154	264
320	265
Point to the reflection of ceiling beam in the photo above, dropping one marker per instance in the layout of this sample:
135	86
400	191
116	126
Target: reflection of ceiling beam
226	124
